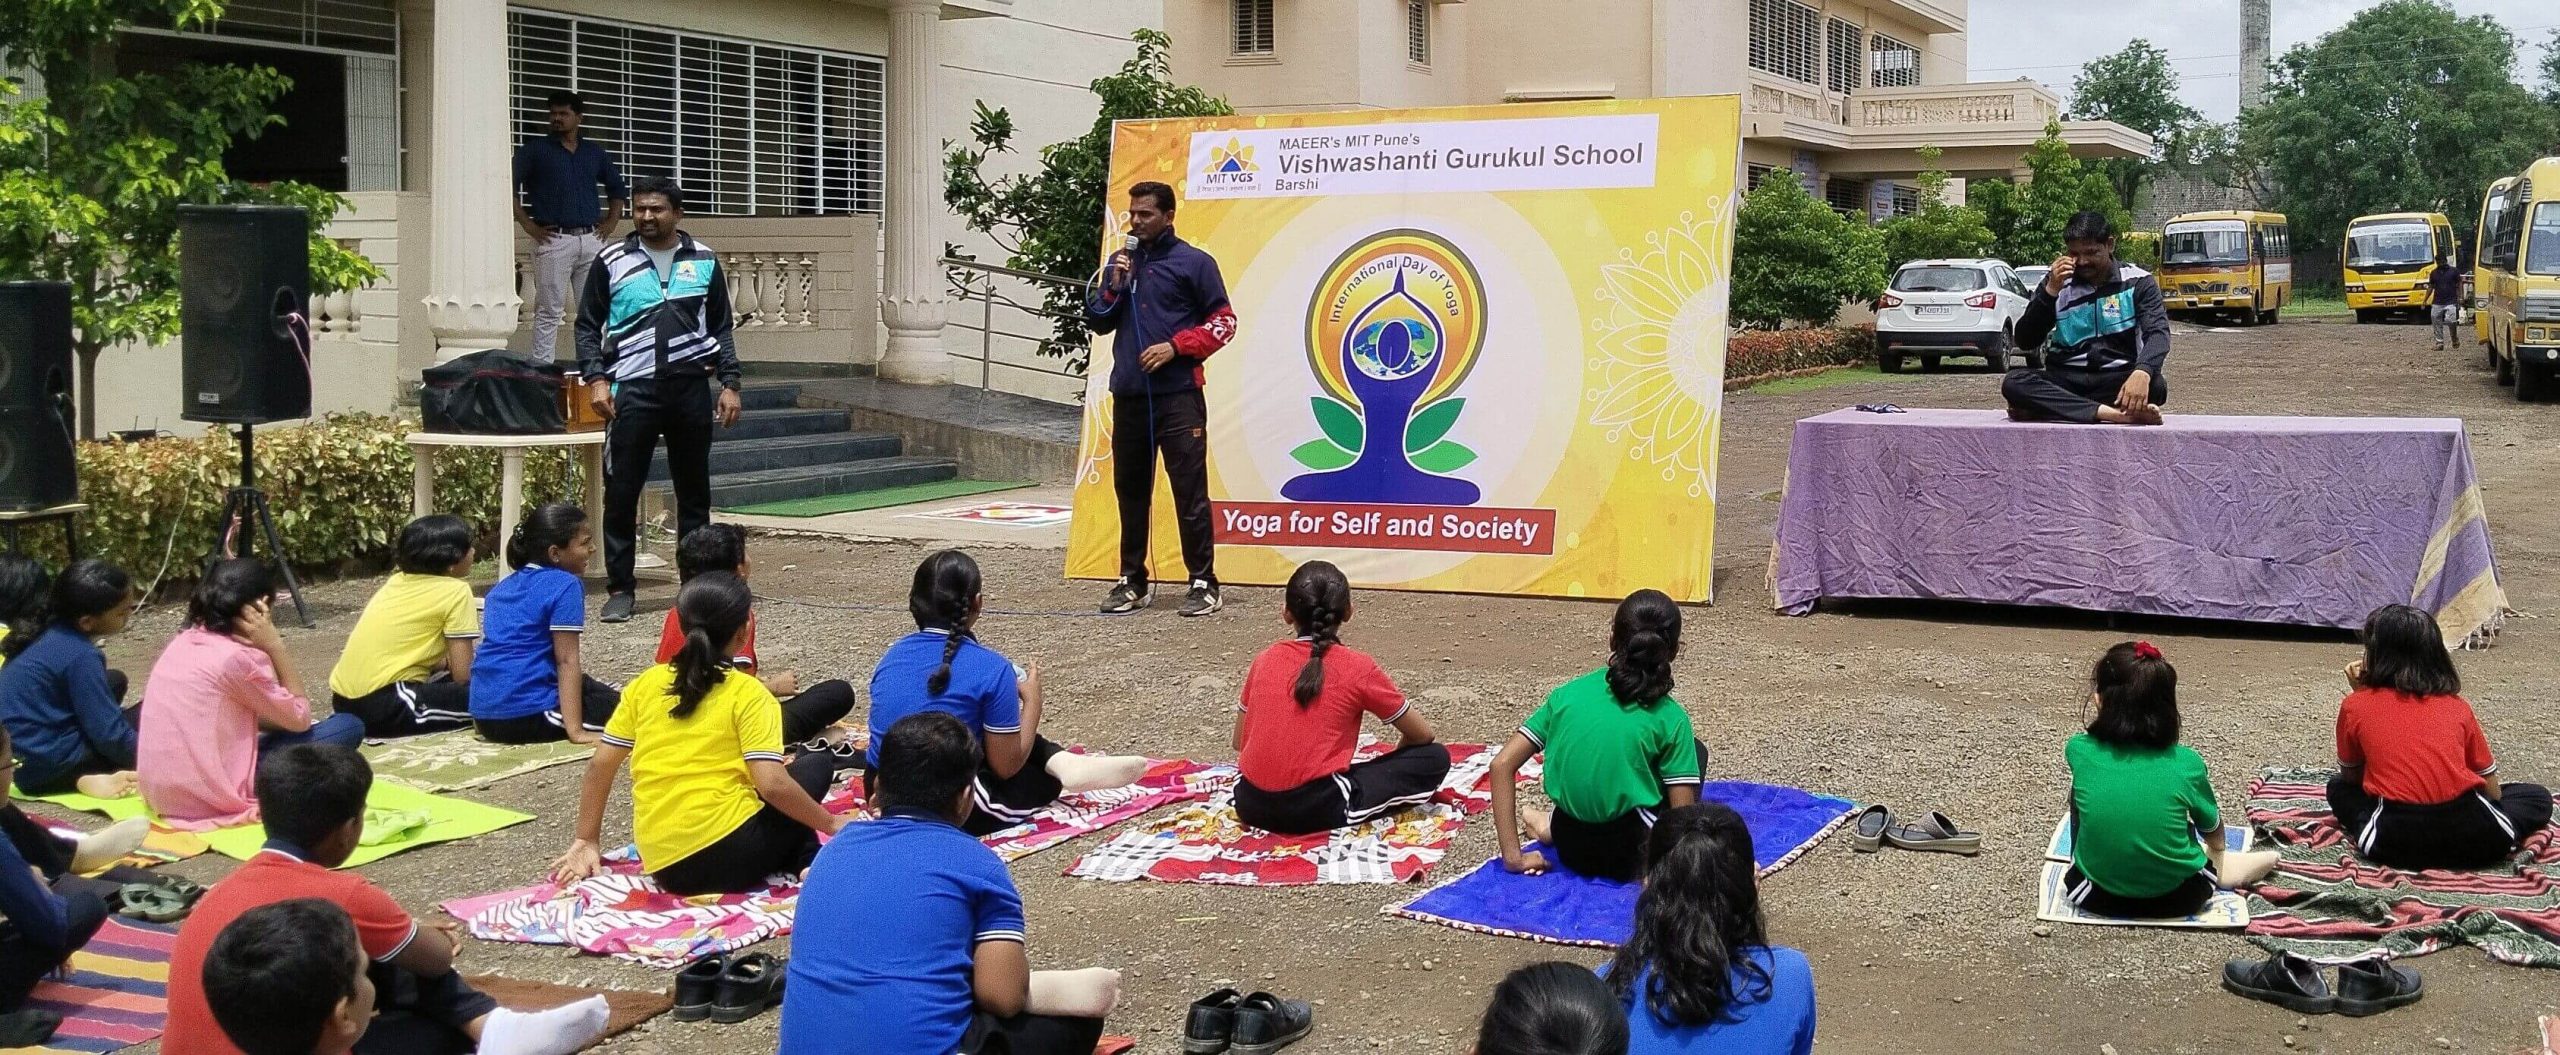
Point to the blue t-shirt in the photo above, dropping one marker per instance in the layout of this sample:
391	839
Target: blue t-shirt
985	693
885	946
59	709
1778	1023
514	675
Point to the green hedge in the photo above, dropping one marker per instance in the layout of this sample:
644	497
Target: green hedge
1756	355
340	488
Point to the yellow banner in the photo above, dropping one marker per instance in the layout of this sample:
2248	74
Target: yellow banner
1480	349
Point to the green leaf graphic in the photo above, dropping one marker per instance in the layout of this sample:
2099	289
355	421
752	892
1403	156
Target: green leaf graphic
1432	424
1340	423
1443	457
1322	456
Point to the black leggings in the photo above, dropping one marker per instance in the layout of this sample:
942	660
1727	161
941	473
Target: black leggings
1406	776
998	803
770	842
2187	899
408	708
2469	832
421	1016
595	703
1030	1034
1612	848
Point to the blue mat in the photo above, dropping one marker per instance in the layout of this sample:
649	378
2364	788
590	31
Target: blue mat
1569	909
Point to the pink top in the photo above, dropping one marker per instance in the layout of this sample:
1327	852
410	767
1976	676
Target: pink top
208	697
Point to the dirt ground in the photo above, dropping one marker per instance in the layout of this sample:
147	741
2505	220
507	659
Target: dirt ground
1953	708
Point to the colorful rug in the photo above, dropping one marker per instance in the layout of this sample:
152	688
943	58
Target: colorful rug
1205	843
117	993
445	819
1567	909
623	913
629	1008
2226	911
2326	904
458	760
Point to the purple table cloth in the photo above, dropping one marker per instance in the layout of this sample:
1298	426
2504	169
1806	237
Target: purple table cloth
2308	521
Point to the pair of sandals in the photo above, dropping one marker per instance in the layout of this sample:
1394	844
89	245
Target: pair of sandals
2365	987
729	989
161	899
1876	829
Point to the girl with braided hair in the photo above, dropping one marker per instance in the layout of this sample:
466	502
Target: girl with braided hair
1300	720
942	667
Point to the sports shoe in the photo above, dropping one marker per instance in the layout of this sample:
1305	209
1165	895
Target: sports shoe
2371	987
1211	1024
2284	979
1127	597
1204	599
617	608
697	985
1266	1023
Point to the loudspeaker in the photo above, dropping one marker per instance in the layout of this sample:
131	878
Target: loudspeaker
36	465
242	269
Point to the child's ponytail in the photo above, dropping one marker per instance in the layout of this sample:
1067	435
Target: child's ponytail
1643	640
711	610
546	528
1319	600
947	585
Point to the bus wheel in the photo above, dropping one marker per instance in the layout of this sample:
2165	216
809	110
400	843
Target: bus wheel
2268	317
2534	383
2506	368
2364	315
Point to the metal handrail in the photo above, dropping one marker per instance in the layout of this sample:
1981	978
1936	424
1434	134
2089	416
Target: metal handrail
984	291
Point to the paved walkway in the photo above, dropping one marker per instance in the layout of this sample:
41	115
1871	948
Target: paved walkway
904	523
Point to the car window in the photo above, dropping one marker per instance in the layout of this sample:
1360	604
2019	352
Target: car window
1939	279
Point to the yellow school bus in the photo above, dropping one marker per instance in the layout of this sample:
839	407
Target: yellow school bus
2234	263
2522	299
2388	259
2493	207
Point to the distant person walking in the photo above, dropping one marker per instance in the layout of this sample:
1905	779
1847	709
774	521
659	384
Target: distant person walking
2444	302
556	181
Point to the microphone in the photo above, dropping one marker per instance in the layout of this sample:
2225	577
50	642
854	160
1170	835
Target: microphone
1129	249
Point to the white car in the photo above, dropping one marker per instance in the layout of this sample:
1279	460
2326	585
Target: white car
1938	308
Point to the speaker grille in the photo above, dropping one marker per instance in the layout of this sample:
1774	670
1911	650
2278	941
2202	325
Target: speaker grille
240	268
35	341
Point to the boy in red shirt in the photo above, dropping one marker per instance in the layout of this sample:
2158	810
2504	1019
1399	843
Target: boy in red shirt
2417	787
312	799
723	547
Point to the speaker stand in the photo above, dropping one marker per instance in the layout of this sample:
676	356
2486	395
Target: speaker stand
245	502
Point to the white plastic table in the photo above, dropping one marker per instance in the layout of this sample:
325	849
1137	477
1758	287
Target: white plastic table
590	445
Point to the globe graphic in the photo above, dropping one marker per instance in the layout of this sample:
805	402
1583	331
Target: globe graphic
1394	349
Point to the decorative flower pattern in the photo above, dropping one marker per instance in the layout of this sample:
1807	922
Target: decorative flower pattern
1660	349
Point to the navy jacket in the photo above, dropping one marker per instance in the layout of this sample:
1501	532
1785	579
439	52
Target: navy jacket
1175	295
59	711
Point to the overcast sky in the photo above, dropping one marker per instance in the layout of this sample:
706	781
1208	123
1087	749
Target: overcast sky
2048	40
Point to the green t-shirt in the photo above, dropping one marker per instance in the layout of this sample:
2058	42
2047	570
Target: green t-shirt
1605	758
2136	815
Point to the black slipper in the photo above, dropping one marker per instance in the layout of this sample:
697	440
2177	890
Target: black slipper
2284	979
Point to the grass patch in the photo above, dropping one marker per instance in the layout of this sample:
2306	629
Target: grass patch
2317	307
1847	375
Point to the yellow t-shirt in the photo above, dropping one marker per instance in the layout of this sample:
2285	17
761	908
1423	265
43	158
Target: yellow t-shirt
401	635
689	780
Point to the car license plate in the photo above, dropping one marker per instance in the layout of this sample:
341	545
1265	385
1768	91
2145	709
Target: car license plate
1933	309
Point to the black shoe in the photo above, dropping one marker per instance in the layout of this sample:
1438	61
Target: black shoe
2371	987
2284	979
1204	599
697	985
28	1027
751	984
617	609
1126	598
1266	1023
1212	1023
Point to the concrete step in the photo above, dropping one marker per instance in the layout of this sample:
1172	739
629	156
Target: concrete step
731	490
770	397
768	424
791	452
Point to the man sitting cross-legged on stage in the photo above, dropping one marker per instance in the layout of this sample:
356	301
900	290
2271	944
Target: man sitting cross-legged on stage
2110	334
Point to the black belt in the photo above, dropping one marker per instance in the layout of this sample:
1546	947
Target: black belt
557	229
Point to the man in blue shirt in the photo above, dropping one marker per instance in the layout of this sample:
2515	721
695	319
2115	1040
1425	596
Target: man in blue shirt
556	180
910	933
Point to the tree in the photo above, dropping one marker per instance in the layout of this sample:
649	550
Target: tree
2366	119
1796	259
94	164
2551	69
2026	218
1050	220
2136	88
1939	229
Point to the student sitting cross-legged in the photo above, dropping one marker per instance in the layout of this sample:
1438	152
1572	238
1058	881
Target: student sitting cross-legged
221	697
2146	837
2418	787
407	665
942	667
723	547
62	706
528	682
910	936
1699	974
313	798
1619	751
1300	720
45	916
714	808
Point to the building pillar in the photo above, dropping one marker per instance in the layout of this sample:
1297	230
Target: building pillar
913	302
471	296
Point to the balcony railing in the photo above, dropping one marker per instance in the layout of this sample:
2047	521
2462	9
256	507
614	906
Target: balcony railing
1994	103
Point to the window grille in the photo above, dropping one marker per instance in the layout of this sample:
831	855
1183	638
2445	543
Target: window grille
1846	195
1253	27
1848	57
1753	174
1417	31
1906	199
1786	39
367	26
1897	65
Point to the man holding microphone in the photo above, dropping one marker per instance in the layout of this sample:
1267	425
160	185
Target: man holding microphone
1166	306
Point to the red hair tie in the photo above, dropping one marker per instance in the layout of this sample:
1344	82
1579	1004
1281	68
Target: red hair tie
2146	650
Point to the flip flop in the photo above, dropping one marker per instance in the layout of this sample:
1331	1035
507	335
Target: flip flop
1866	835
151	903
1936	834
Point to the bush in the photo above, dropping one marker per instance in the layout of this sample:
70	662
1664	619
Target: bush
2140	248
340	488
1794	259
1757	355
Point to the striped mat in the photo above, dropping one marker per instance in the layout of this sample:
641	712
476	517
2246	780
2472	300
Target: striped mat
117	995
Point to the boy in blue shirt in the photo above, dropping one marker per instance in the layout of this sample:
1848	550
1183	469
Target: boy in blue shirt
910	933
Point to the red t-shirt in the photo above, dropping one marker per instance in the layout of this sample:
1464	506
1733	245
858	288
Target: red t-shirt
671	641
271	876
2418	751
1286	745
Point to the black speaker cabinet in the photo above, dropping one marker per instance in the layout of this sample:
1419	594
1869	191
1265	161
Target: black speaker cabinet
36	467
242	269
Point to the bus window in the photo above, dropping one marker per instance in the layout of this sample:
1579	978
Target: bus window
2213	245
2445	249
2542	245
2389	246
